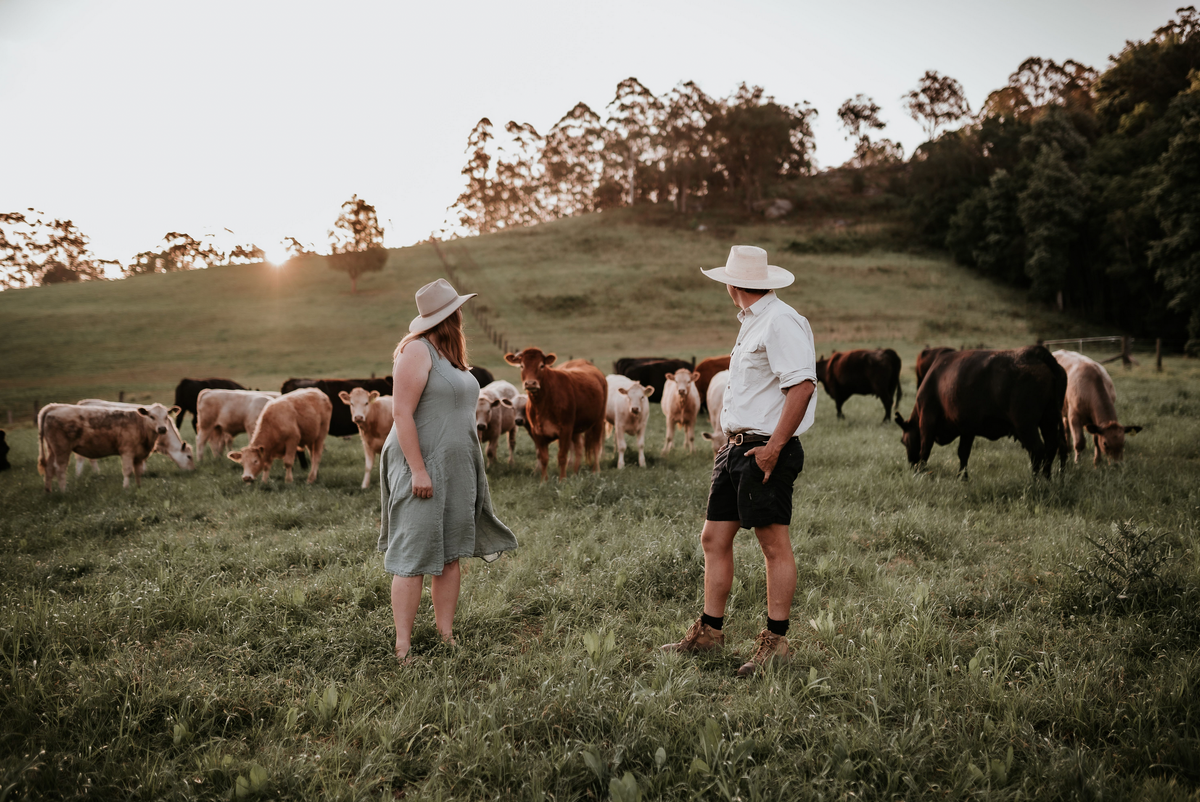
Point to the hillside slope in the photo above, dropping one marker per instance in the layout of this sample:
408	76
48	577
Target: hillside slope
599	287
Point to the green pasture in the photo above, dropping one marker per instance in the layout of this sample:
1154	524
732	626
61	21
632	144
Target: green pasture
600	287
1004	638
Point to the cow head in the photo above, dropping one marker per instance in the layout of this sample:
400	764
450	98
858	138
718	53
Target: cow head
169	441
253	461
822	363
518	404
359	400
718	438
911	437
483	411
684	379
531	361
636	392
1110	439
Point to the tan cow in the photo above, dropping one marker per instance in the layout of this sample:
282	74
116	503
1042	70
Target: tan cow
681	404
170	442
1091	406
299	419
372	414
716	405
103	430
222	415
627	413
494	418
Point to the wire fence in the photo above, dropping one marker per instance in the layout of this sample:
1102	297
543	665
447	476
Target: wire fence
462	256
1125	347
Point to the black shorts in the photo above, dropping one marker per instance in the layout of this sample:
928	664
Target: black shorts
738	492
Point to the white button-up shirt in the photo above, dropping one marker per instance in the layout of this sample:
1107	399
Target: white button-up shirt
774	350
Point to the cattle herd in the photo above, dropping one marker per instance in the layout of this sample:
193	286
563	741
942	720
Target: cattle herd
1029	394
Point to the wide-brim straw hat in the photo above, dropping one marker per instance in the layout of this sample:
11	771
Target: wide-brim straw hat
436	301
747	267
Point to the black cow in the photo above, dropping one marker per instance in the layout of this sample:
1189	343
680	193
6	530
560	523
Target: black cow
925	360
4	466
626	362
992	394
188	391
654	374
340	422
483	376
861	372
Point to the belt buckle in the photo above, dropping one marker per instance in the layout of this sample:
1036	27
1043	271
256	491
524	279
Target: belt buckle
737	438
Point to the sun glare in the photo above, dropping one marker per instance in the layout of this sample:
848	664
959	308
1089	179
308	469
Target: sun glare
276	256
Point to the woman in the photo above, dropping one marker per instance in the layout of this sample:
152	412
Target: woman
436	504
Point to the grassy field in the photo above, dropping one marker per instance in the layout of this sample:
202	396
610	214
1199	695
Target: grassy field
201	639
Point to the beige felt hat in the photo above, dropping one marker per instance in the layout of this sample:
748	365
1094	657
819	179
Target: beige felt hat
747	267
436	301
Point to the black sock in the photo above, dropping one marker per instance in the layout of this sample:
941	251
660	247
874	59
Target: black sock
712	621
777	627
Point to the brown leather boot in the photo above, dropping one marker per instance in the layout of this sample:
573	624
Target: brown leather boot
767	647
700	638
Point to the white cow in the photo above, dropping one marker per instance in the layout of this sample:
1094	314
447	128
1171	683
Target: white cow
494	418
627	412
372	414
716	404
170	442
681	404
222	415
105	429
1090	406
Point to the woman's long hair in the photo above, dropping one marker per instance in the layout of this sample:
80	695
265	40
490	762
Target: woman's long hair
447	337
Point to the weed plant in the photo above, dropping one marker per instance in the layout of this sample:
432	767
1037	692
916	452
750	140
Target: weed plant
204	639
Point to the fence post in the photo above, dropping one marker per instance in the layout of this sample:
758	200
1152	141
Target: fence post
372	374
1126	356
121	396
1158	354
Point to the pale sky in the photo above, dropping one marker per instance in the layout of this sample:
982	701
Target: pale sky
138	117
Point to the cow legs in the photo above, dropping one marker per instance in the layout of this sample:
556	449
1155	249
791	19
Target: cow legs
689	431
965	442
886	398
1040	455
127	467
839	402
594	441
289	457
318	448
619	440
1078	437
641	443
138	467
369	454
670	441
543	456
565	445
491	450
512	444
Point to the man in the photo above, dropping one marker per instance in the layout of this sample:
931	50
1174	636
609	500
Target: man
768	404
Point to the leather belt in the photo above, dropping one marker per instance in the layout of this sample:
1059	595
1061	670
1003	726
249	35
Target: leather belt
741	438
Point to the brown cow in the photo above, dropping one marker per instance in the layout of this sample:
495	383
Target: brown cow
222	415
992	394
925	360
295	420
706	369
372	414
861	372
170	442
105	431
565	404
681	404
1091	406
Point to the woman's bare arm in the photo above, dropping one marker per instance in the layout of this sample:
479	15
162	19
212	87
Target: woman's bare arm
409	375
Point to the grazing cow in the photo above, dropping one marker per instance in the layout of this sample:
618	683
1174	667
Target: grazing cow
925	360
861	372
482	375
295	420
187	392
4	466
106	430
707	368
626	362
992	394
341	424
372	414
565	404
494	418
170	442
222	415
680	403
716	405
1091	407
651	374
627	412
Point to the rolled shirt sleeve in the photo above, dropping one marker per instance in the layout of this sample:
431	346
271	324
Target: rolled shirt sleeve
791	351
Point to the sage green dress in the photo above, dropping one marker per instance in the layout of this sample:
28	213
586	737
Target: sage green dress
420	535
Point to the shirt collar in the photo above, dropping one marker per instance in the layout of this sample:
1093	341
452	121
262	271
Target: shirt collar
758	307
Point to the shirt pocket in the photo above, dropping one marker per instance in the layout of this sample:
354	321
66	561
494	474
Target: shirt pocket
752	364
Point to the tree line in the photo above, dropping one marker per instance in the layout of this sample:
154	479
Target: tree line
35	250
1081	186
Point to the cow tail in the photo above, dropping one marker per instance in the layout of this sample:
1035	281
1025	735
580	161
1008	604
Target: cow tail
43	449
